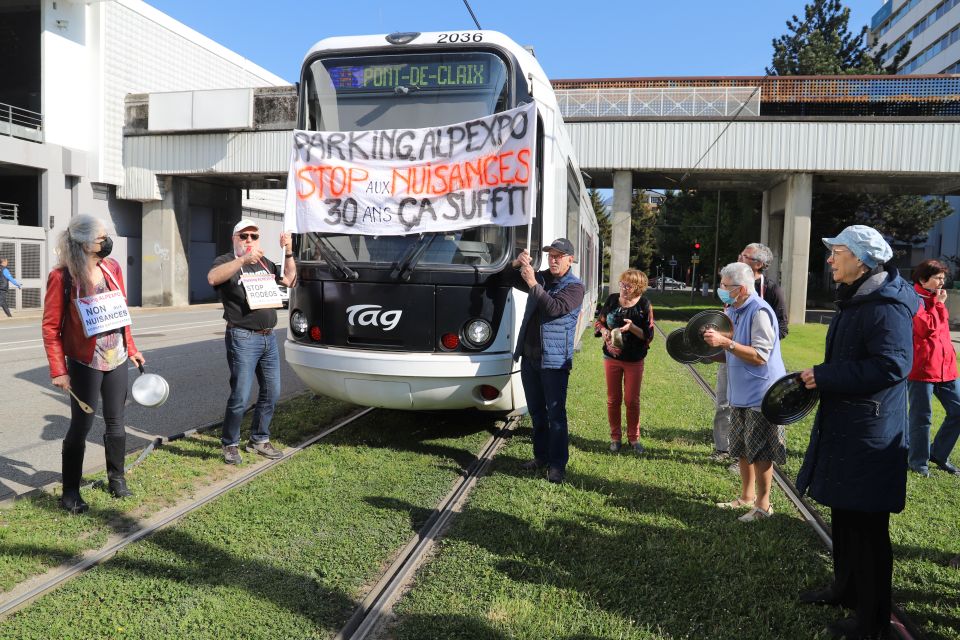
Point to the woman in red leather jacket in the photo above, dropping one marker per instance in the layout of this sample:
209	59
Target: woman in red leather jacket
86	334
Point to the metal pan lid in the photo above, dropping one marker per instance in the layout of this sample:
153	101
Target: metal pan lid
710	319
677	348
788	400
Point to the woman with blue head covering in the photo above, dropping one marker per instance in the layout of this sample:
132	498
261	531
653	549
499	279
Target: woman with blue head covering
856	462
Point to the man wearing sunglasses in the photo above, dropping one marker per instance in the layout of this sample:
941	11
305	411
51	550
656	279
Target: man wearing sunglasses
247	284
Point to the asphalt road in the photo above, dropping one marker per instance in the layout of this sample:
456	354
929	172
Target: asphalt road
185	346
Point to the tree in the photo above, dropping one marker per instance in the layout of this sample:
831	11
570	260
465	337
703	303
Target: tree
643	218
602	211
822	44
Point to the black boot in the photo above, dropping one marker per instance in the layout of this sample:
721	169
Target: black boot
72	471
116	449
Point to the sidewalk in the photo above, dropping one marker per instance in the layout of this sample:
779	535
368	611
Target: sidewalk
36	314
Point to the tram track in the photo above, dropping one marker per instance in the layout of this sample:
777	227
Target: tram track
905	628
59	576
373	611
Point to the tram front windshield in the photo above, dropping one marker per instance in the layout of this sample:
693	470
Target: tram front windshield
408	91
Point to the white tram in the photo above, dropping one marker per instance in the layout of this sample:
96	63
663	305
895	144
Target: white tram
429	321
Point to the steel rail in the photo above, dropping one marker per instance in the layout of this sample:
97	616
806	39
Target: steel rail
379	602
902	625
148	529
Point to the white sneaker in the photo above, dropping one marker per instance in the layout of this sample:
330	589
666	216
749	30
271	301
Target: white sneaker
756	514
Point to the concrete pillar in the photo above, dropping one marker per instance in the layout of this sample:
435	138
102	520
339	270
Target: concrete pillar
796	244
165	227
620	223
765	218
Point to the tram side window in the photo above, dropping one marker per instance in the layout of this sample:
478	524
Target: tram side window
573	204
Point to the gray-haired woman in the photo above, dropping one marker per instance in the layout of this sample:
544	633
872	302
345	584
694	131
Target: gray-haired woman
86	334
753	365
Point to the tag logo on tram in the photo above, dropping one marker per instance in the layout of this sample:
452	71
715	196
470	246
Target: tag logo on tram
371	315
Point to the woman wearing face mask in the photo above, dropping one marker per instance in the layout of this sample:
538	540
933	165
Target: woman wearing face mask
630	315
934	373
754	363
87	337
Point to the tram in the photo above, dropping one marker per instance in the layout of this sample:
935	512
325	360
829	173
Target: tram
429	321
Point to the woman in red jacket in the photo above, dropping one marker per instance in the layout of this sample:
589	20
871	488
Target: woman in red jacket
86	334
934	373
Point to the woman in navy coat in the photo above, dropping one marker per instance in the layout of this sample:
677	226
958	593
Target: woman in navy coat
856	462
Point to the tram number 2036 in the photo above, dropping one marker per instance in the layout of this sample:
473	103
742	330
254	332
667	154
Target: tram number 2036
460	37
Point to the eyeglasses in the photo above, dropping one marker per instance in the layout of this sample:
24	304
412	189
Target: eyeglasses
626	286
728	287
834	251
252	236
750	258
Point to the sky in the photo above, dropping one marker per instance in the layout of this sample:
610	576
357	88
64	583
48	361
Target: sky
582	39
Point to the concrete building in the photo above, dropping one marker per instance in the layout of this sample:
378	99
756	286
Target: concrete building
68	65
932	28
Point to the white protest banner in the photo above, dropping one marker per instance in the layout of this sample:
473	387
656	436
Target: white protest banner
103	312
401	181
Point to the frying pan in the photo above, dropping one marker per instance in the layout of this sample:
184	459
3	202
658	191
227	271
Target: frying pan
149	389
788	400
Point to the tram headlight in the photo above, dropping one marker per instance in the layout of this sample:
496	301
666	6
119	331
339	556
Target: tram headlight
298	324
477	333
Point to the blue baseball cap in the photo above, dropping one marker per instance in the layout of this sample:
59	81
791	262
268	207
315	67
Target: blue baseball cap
865	242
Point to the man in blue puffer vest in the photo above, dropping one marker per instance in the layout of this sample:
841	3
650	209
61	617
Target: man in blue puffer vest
546	339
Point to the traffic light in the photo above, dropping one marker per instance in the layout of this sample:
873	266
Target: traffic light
696	245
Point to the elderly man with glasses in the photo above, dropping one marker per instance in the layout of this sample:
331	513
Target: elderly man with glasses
758	257
247	284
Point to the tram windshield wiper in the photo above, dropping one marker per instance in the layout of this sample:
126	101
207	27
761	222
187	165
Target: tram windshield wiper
335	259
412	256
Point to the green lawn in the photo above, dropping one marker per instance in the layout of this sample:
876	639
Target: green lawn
634	547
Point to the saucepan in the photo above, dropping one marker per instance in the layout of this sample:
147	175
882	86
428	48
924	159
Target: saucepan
149	389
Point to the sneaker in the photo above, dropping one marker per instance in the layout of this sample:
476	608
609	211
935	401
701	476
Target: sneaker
615	446
922	471
736	504
231	455
756	514
719	456
532	465
264	449
555	475
637	447
734	468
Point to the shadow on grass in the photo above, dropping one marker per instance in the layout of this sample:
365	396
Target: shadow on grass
457	627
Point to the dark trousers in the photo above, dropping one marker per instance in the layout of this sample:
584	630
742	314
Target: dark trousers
91	386
863	566
3	301
546	391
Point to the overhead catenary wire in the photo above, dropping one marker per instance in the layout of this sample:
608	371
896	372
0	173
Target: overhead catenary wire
472	14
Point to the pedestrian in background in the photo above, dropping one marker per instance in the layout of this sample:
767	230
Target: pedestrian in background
758	257
545	341
753	365
856	462
247	284
934	373
88	357
5	281
626	325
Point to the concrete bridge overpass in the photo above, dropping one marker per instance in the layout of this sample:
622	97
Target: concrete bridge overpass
235	141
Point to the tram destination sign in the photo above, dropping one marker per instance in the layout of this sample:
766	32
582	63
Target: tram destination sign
428	75
400	181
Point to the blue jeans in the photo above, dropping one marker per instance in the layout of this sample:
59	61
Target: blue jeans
948	393
546	391
250	353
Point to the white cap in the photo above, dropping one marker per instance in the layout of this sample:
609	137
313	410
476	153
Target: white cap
245	223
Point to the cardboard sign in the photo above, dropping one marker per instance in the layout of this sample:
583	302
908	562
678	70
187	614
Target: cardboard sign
401	181
262	290
103	312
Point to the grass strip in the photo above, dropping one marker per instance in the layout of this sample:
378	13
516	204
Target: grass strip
633	547
285	556
36	535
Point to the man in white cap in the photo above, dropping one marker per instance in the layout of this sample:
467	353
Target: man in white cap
247	284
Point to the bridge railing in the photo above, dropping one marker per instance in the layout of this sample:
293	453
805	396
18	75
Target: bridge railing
21	123
9	213
684	102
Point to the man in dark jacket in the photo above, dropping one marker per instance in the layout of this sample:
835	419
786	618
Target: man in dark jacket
856	462
546	339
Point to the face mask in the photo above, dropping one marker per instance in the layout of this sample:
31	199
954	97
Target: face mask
725	296
105	248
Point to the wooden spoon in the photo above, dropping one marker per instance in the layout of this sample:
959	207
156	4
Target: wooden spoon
83	405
